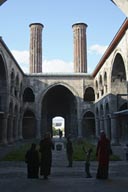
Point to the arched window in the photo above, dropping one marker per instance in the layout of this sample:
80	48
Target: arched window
28	95
89	94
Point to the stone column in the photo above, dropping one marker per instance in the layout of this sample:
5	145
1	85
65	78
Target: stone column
106	126
16	128
35	58
79	128
4	129
101	123
114	131
97	127
80	48
20	128
38	131
10	129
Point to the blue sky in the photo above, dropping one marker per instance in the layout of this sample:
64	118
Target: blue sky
102	17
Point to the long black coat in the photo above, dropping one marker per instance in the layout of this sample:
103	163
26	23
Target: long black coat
32	160
46	146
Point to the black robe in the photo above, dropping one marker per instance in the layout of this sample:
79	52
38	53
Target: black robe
46	146
32	160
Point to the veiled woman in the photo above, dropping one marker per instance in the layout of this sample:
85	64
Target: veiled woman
46	146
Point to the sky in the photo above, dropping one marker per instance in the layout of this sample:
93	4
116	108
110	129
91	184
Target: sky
102	17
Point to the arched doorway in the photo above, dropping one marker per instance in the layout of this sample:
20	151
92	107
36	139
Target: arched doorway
59	101
122	119
3	94
58	124
88	125
29	125
118	76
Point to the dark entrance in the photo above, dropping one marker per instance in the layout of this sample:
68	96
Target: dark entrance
59	101
29	125
88	125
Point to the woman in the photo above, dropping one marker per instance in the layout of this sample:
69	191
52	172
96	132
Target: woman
46	146
103	152
32	160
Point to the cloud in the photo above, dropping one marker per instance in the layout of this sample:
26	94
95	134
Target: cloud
49	66
22	57
57	66
97	49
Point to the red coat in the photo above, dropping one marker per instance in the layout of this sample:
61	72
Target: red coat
103	151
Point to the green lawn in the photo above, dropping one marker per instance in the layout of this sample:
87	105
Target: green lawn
79	155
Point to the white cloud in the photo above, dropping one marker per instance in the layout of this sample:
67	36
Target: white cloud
53	66
97	49
22	57
57	66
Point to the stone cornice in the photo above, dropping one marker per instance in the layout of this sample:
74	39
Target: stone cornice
112	46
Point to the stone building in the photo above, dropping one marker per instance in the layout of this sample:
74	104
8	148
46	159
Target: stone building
87	102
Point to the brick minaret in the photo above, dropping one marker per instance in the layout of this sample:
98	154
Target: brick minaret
80	48
35	57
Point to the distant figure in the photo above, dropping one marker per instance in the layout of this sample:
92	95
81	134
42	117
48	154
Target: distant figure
60	133
103	152
126	151
87	162
69	150
46	146
32	160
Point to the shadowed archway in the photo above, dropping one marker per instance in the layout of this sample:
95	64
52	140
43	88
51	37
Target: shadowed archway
59	101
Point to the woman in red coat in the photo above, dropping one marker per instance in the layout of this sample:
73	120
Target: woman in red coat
103	152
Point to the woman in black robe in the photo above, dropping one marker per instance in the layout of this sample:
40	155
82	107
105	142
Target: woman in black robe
32	160
46	146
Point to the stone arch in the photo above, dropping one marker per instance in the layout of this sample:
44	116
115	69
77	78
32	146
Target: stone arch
101	117
89	94
10	123
118	75
20	89
28	95
28	124
58	100
122	119
107	120
17	85
88	125
3	85
101	84
12	84
15	122
97	118
96	85
71	89
105	82
96	89
3	93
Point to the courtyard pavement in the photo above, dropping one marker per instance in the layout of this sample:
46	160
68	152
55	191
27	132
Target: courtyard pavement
13	177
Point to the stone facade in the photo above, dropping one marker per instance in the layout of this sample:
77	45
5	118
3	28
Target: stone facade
88	103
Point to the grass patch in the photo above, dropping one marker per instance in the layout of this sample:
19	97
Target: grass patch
79	155
17	154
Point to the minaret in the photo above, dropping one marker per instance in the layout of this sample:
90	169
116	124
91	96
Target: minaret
35	57
80	48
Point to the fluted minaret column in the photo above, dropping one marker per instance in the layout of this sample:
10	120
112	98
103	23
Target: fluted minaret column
80	48
35	57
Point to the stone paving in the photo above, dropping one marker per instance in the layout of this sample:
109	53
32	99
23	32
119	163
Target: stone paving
13	177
